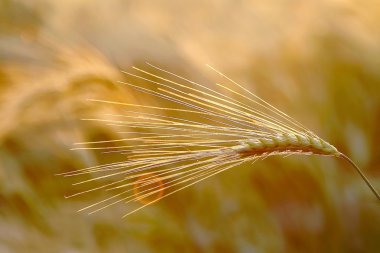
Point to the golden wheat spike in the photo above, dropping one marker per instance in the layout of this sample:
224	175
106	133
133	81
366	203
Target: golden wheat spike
165	154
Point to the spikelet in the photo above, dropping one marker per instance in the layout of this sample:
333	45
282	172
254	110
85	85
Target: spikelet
164	154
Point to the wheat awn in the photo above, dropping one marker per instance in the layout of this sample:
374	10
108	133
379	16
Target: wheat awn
172	153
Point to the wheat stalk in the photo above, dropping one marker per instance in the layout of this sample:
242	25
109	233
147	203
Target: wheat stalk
172	153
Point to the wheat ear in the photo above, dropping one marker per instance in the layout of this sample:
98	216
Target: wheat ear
165	153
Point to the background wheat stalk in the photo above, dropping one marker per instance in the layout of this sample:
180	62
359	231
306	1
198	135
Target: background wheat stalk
165	154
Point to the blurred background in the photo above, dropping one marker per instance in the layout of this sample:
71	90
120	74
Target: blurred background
316	60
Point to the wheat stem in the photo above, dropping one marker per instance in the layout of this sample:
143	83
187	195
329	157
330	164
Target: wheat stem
361	174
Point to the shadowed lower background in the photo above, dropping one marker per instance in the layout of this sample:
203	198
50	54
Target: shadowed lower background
316	60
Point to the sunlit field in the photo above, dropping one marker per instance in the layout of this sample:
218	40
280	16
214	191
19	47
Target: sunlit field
318	61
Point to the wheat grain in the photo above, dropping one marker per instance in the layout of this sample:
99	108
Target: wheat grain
171	153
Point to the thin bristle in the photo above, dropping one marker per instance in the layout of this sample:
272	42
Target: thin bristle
164	154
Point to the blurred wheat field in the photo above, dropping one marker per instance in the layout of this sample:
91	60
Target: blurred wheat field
316	60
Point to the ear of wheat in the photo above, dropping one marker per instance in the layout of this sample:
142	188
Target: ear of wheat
215	133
